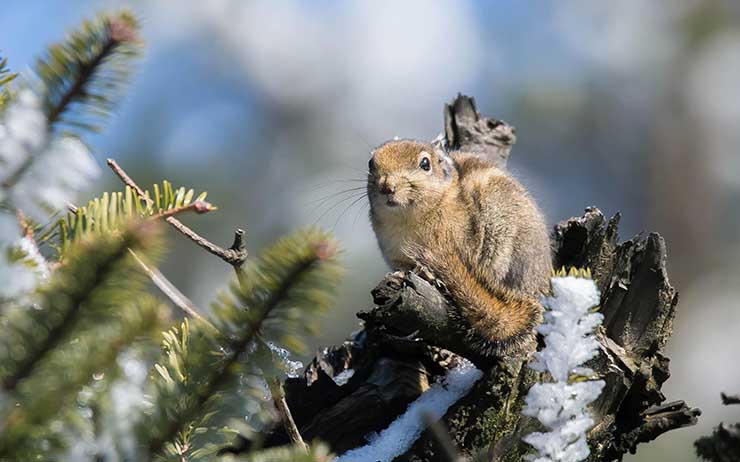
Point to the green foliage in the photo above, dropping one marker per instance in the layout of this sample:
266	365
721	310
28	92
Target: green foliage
79	81
94	306
60	346
105	215
207	373
88	70
5	77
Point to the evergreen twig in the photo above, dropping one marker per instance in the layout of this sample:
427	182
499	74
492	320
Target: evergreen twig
84	69
117	31
68	309
235	255
292	279
235	347
160	280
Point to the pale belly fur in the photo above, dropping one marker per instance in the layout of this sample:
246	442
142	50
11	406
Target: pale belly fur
397	234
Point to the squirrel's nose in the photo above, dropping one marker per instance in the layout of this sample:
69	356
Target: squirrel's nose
386	189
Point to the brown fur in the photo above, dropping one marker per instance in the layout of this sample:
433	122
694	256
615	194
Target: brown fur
474	226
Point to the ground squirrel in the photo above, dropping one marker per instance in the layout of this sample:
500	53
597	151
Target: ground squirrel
473	226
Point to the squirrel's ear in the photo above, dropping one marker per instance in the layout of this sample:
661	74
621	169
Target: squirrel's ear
440	142
439	145
444	159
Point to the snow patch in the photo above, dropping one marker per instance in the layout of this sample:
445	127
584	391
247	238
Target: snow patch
291	367
343	377
569	342
53	169
406	429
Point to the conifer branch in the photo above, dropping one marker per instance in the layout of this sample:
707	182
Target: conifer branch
235	255
106	214
67	308
56	334
85	70
297	275
73	68
94	306
77	88
68	368
160	280
235	347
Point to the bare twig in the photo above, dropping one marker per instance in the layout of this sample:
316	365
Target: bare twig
278	396
236	255
730	399
442	436
128	181
169	289
239	246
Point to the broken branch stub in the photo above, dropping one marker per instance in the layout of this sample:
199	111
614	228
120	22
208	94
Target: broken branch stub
466	130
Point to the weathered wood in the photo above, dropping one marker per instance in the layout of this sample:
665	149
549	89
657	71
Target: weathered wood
408	305
411	338
466	130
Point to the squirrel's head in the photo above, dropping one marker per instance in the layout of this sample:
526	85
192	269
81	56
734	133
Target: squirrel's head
406	173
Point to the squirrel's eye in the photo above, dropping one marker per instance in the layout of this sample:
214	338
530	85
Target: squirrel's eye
424	164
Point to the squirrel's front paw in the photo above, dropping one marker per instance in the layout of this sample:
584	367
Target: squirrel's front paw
427	274
423	272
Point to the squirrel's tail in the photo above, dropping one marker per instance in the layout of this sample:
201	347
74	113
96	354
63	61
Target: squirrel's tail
500	320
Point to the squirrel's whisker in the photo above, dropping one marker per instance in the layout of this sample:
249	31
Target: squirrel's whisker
343	200
337	193
323	200
329	183
346	209
360	209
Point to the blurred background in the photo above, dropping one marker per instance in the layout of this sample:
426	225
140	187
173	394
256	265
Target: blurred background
273	107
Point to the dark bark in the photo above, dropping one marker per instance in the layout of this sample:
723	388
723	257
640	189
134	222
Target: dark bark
466	130
410	339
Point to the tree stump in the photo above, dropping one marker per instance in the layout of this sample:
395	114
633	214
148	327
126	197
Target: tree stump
408	341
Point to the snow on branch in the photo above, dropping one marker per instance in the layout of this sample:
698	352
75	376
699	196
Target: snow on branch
561	406
406	429
53	168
